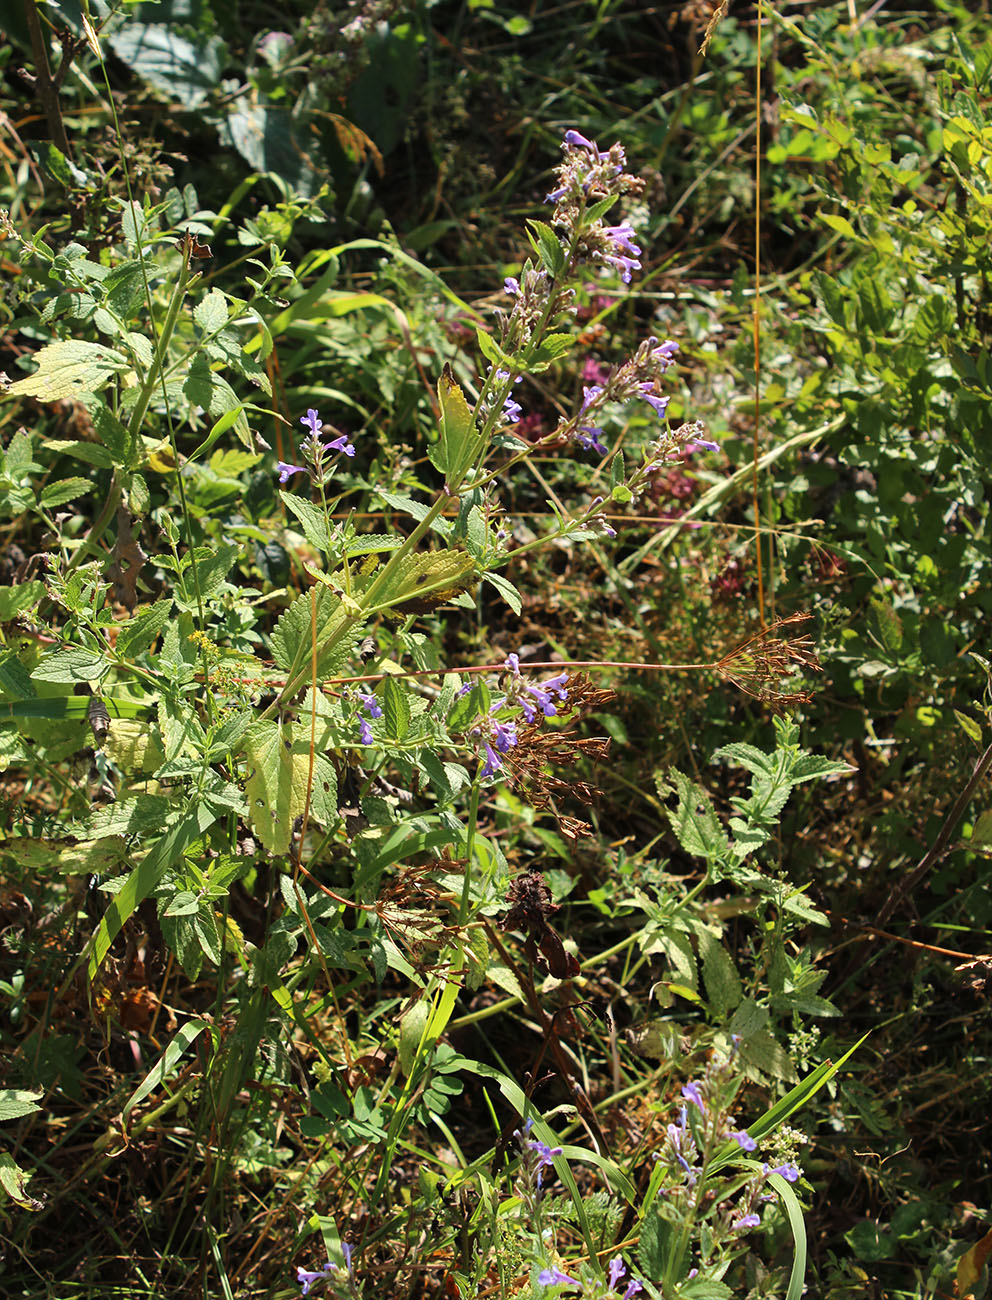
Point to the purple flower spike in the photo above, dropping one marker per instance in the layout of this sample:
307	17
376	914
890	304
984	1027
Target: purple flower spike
625	265
504	736
555	1277
512	410
364	732
691	1093
493	763
703	444
665	352
744	1140
633	1286
287	471
590	394
511	285
348	1250
313	422
747	1221
512	663
616	1271
555	195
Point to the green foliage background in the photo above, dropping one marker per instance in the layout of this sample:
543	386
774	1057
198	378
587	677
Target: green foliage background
362	179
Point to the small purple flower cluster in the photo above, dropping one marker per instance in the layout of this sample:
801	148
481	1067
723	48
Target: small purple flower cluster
588	174
704	1122
368	702
497	736
307	1278
637	378
616	1273
315	451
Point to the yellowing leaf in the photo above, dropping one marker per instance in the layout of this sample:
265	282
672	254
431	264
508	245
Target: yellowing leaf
279	774
69	368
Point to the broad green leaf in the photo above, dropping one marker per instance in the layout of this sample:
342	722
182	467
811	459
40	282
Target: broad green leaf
723	984
13	600
15	1103
278	780
425	580
67	489
548	247
413	1022
396	709
71	664
210	313
136	635
68	369
312	519
694	822
506	589
175	66
316	614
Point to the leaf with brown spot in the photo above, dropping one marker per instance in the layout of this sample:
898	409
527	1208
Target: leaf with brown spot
128	559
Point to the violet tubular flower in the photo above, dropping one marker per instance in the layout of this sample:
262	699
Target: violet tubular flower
744	1140
545	1156
306	1277
543	695
691	1093
340	444
555	1277
589	436
364	731
370	704
789	1172
286	471
746	1221
313	422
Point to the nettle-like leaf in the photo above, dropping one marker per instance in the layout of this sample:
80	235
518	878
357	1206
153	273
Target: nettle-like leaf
68	369
279	760
422	582
318	614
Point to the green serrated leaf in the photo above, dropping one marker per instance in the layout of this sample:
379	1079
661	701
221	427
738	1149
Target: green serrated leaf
548	247
68	369
336	636
312	520
723	984
15	1103
694	822
138	633
210	313
396	709
426	578
506	589
72	664
67	489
